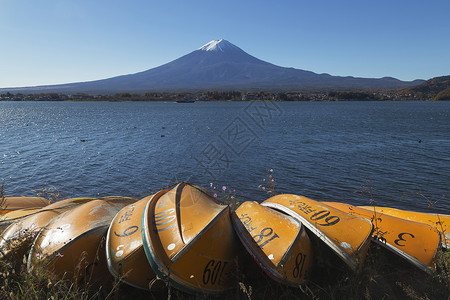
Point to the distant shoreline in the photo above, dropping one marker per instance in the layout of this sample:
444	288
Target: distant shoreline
235	96
211	101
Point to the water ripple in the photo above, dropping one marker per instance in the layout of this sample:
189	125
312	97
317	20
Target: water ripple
326	151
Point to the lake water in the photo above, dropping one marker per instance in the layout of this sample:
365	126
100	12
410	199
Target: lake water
322	150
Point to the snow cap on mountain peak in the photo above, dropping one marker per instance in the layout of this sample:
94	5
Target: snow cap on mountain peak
217	45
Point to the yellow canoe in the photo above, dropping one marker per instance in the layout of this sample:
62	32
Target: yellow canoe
277	242
440	221
347	235
124	251
71	243
13	203
189	239
14	215
20	234
17	214
416	242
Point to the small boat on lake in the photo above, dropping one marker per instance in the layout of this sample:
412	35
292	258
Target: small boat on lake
416	242
13	203
71	244
440	221
189	240
347	235
277	242
125	254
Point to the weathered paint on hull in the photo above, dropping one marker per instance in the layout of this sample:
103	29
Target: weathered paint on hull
277	242
440	221
347	235
21	233
70	244
14	203
17	214
14	216
189	239
124	251
416	242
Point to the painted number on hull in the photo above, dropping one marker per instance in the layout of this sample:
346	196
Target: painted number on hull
213	272
329	221
129	231
127	215
164	219
299	263
400	238
307	209
265	233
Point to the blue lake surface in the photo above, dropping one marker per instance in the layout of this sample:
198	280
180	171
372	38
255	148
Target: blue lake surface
322	150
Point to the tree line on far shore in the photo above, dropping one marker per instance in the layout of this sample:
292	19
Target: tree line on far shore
340	95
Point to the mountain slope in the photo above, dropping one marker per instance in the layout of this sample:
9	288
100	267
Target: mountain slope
437	88
219	65
431	87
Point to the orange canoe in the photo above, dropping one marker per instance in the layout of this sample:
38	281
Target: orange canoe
416	242
124	251
277	242
71	243
440	221
14	216
20	233
12	203
189	239
347	235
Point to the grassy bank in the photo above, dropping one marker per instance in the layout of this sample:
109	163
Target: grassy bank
384	276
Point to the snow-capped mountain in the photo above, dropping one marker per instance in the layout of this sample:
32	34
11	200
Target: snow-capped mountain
219	45
218	65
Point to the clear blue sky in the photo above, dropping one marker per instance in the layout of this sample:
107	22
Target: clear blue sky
62	41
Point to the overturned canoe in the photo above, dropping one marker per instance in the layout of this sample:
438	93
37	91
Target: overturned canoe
17	214
189	239
440	221
14	216
12	203
70	244
277	242
347	235
20	233
124	251
416	242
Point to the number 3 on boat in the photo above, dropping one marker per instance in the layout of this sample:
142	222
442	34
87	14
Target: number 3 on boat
416	242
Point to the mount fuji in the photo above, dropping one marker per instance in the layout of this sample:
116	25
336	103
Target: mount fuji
218	65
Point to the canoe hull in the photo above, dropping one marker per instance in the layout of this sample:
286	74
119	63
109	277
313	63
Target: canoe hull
13	203
124	251
348	236
418	243
277	242
20	234
13	216
440	221
188	239
71	244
